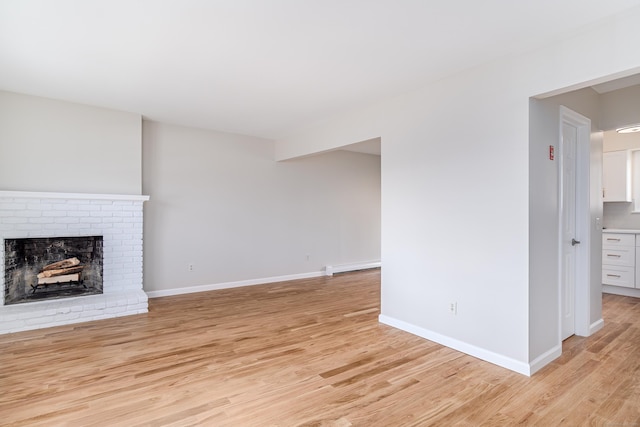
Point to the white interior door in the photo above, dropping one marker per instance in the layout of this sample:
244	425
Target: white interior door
569	241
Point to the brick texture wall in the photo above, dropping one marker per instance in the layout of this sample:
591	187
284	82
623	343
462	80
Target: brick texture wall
118	218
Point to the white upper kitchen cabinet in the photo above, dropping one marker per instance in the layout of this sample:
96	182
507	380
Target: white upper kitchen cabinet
616	176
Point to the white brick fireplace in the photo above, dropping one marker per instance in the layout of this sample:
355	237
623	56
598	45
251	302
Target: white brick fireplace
118	218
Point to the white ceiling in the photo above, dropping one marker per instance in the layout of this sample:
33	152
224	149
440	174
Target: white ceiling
263	67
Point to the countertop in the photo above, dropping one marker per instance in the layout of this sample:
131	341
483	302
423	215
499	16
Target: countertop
620	231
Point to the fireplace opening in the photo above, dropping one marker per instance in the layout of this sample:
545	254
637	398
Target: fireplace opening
52	268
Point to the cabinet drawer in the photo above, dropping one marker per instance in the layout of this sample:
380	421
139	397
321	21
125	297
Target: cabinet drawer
623	256
618	276
612	239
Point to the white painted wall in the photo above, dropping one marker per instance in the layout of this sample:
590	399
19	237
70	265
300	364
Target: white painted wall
49	145
456	210
543	199
220	201
620	108
543	226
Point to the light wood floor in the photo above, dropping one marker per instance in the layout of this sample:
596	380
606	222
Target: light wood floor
311	353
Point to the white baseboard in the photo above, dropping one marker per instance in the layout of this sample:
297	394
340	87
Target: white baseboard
544	359
620	290
227	285
596	326
480	353
330	270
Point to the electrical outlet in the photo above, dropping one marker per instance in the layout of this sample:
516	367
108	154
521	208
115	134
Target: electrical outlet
190	267
308	257
453	308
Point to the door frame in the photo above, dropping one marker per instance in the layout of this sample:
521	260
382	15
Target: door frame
582	303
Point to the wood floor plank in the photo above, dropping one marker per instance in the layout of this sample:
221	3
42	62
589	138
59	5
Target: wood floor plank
303	353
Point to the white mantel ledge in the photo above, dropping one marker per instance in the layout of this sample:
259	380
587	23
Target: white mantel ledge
72	196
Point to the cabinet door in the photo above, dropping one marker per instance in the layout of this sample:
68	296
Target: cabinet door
637	278
618	276
624	256
615	240
616	176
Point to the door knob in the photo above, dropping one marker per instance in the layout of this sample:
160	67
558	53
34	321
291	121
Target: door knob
575	242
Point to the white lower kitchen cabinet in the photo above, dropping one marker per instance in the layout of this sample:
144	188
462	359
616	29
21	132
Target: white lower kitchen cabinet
621	262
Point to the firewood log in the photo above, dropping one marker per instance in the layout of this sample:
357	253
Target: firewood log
60	272
69	262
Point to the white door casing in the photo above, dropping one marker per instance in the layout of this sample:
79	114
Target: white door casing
568	234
